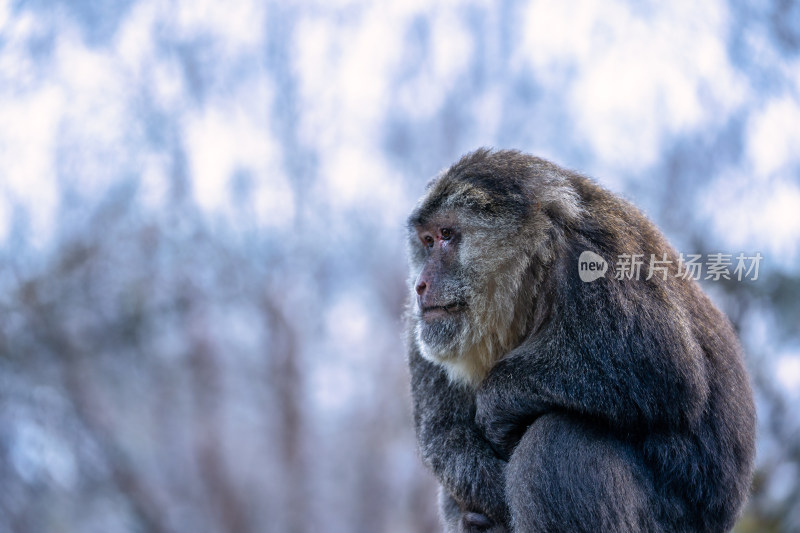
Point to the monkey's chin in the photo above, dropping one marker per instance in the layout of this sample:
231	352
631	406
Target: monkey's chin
453	343
447	343
438	337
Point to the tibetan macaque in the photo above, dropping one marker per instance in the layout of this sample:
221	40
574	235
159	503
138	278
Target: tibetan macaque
543	402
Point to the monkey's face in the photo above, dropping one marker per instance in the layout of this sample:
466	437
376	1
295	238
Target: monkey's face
441	288
462	301
480	242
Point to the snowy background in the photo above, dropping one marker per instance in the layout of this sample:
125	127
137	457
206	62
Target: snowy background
202	266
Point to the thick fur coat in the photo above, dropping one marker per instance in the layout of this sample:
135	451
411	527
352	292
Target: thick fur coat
546	403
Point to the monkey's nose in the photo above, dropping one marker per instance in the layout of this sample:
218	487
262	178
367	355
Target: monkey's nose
421	286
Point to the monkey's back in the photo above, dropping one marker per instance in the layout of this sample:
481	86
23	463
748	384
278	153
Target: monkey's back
711	460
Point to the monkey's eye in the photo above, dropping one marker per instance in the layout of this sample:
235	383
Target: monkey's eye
428	240
447	234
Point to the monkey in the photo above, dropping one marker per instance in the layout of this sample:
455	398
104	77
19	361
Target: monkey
543	402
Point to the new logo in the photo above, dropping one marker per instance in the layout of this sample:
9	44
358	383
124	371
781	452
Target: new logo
591	266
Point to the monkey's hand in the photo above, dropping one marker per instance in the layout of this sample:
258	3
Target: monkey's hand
484	492
470	472
452	445
505	408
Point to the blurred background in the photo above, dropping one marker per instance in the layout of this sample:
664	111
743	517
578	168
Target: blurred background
202	264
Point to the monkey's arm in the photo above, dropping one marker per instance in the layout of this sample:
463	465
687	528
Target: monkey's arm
451	444
618	352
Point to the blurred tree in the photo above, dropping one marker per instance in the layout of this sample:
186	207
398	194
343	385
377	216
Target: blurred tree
201	234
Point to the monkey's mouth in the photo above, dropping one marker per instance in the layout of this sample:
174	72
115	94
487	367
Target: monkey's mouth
432	312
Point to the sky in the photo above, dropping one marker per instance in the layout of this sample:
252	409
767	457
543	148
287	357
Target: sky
617	81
